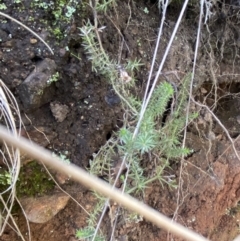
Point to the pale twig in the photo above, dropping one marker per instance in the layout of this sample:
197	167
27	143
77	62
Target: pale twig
30	30
10	217
25	215
220	123
146	102
98	185
10	155
155	53
93	6
188	107
130	14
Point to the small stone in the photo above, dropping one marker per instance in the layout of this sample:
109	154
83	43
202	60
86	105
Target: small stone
62	52
208	117
3	34
9	43
44	34
41	135
203	91
33	40
61	178
59	111
211	136
112	98
43	209
35	90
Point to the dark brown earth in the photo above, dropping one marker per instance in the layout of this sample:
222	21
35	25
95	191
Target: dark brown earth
209	180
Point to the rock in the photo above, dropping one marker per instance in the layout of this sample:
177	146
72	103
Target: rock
43	209
33	41
61	178
40	135
59	111
112	98
9	43
36	90
3	35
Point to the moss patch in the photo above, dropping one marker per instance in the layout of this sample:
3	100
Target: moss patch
34	180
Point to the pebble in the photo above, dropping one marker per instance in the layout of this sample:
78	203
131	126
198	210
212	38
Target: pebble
33	40
112	99
43	209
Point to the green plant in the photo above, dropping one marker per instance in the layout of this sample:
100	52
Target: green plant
87	234
145	10
61	9
70	11
53	78
126	148
57	32
104	4
61	12
3	6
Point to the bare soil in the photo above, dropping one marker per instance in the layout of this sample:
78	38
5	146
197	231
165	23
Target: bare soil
209	180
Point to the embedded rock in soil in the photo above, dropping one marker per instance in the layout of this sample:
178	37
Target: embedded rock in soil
37	90
43	209
40	135
59	111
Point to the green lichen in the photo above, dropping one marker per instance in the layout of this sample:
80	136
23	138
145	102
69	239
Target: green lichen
60	14
57	33
55	16
53	78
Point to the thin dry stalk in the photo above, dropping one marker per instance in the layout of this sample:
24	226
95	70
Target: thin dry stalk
146	102
10	155
188	108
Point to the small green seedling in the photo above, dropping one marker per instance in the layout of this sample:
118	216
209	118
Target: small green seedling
53	78
145	10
